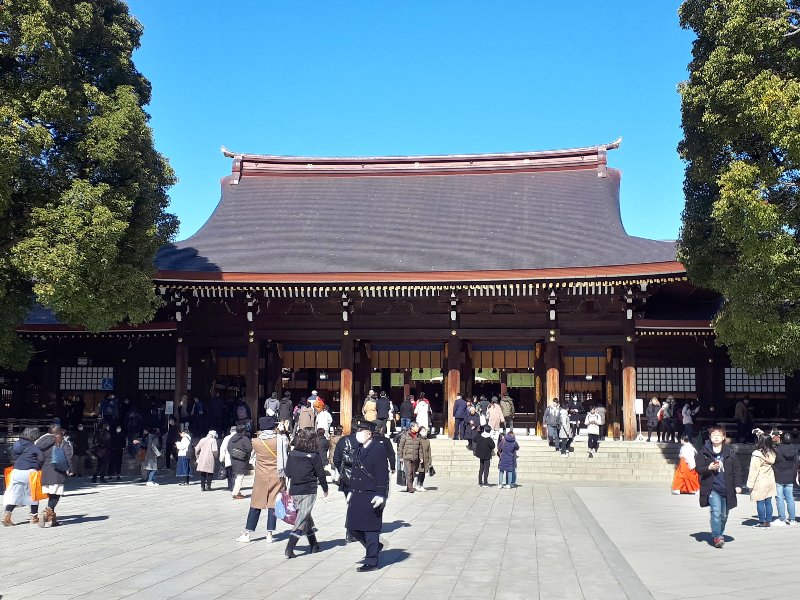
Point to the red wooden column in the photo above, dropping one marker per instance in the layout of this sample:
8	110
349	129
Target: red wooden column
628	390
552	363
346	384
181	370
541	399
453	380
252	377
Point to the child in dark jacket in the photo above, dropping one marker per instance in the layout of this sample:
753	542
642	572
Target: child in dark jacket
484	449
507	447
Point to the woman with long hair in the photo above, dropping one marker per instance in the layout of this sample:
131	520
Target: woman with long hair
785	469
761	478
304	470
28	459
57	466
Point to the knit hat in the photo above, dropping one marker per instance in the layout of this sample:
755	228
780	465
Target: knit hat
267	423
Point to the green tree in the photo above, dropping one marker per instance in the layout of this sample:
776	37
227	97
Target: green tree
83	192
741	124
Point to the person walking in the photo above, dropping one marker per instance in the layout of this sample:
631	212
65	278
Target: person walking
507	447
576	416
407	412
80	447
383	407
460	413
761	478
494	416
593	422
685	480
785	468
409	450
688	413
651	414
56	467
370	489
564	430
305	473
285	409
271	452
370	408
239	448
422	412
484	450
667	433
426	464
552	421
173	434
324	420
183	468
225	457
118	442
473	427
207	452
720	480
507	407
744	420
28	459
152	442
306	417
101	450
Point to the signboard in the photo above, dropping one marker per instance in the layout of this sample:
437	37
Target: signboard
83	361
169	407
638	406
107	384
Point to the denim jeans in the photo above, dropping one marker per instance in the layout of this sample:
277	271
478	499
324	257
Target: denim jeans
253	516
405	423
508	478
151	476
785	498
688	430
719	513
764	508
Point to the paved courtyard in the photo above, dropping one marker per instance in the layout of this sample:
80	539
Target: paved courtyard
560	540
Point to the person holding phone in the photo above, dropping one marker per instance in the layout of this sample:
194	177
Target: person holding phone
721	479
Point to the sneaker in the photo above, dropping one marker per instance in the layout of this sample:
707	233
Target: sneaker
719	542
150	484
268	538
676	492
421	489
761	525
779	523
790	523
245	537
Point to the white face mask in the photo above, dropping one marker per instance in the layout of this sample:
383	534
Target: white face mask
362	436
423	434
119	429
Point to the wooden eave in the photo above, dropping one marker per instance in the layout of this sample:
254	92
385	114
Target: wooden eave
671	327
160	328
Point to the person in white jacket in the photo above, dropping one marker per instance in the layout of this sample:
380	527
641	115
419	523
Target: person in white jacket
225	458
593	421
324	421
184	468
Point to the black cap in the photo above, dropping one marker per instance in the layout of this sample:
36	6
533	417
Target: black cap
267	423
364	424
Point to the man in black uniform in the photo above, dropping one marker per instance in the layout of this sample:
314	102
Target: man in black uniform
369	490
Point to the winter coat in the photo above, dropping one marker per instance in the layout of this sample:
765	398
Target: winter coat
484	446
593	422
370	410
239	467
410	448
305	471
785	467
50	475
183	445
687	414
564	431
508	446
761	478
551	416
285	409
425	463
460	409
734	475
383	405
207	453
473	426
652	415
306	418
423	413
407	410
507	406
102	443
80	442
324	420
271	453
224	457
153	452
495	416
26	455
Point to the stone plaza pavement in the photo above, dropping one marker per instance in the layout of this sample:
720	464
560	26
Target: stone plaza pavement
552	541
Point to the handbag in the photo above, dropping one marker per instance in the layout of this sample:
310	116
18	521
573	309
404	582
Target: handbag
35	480
285	509
7	476
140	456
238	453
431	471
58	459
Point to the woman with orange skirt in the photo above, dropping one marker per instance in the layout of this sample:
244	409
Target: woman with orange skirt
686	480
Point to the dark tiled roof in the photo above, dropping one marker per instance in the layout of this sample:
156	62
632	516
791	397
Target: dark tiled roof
415	223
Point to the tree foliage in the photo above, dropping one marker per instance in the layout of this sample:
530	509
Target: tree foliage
83	202
741	123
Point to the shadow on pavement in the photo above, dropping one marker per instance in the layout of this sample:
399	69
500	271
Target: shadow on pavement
75	519
705	536
391	557
394	525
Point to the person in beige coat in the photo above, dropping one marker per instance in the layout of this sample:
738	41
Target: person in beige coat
370	410
207	452
270	449
761	478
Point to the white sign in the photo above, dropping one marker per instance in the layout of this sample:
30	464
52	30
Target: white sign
638	406
168	410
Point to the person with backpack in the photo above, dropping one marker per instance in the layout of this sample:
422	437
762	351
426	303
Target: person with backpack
285	407
551	423
239	449
272	403
57	466
484	450
507	406
183	468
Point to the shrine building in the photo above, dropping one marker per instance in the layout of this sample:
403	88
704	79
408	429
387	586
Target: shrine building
472	274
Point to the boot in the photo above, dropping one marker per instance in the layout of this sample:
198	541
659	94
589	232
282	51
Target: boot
290	546
203	484
34	519
52	517
312	540
7	522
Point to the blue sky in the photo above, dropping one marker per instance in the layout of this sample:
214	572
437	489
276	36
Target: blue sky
379	78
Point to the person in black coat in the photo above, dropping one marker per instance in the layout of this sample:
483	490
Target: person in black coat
721	478
118	442
785	469
391	455
239	448
472	428
407	412
460	413
382	407
304	470
369	490
101	450
484	450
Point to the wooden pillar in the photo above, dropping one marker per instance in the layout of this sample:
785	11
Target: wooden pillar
346	384
628	391
181	370
539	392
273	368
453	381
552	360
406	383
467	372
503	383
251	378
613	387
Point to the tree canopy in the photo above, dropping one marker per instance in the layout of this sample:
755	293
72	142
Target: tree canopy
741	124
83	192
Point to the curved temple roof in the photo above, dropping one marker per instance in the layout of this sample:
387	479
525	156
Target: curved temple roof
425	214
